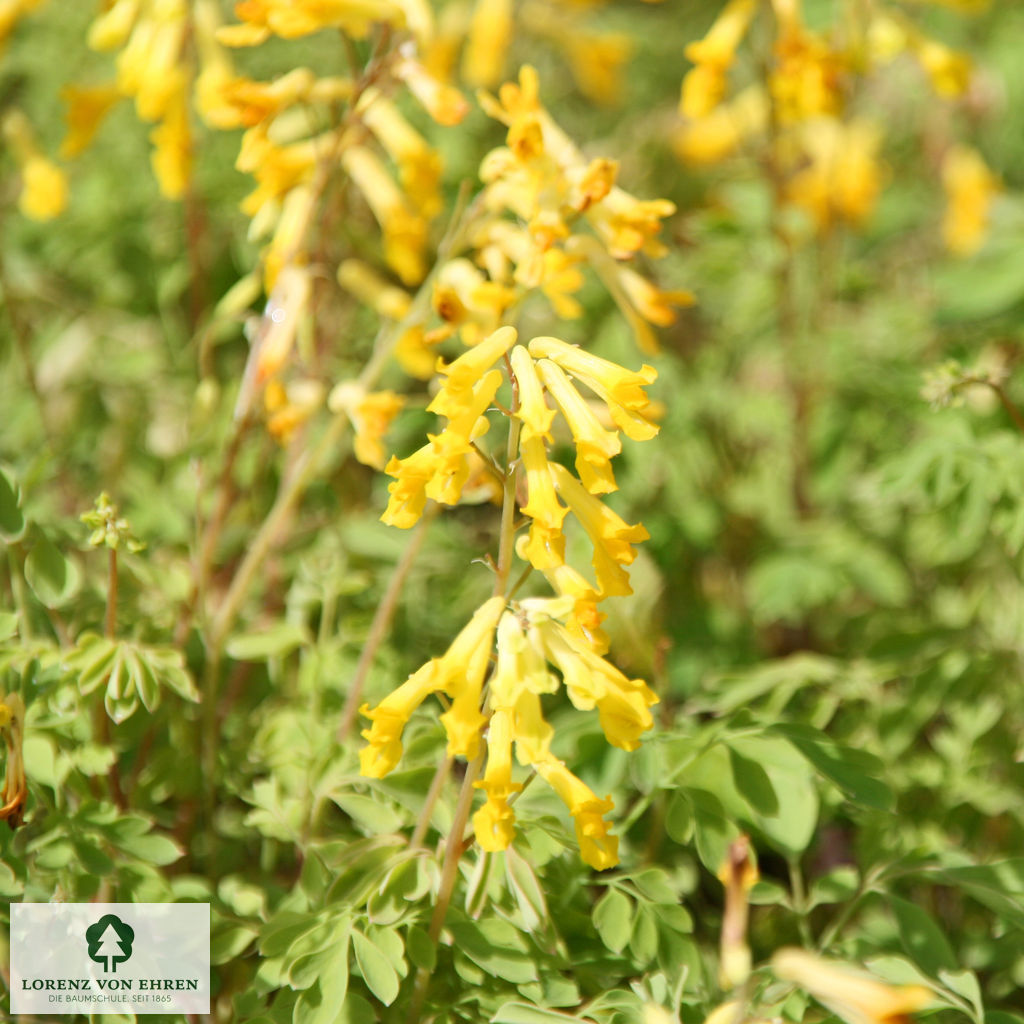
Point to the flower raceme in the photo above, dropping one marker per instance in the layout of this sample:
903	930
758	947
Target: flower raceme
530	637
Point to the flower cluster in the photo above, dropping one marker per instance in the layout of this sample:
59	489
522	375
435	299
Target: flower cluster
826	161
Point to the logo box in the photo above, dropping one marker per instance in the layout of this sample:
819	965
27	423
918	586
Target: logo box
69	958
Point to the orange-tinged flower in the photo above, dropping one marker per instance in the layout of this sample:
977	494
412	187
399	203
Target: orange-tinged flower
15	791
852	995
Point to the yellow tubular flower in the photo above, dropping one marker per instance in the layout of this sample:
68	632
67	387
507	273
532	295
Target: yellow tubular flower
389	717
852	995
15	791
494	823
597	847
610	534
44	187
704	86
534	413
711	139
370	416
464	411
584	621
419	166
172	146
628	225
620	389
384	298
216	71
970	187
444	103
464	372
290	406
595	446
490	32
546	545
461	671
948	71
111	29
409	489
623	704
405	232
87	107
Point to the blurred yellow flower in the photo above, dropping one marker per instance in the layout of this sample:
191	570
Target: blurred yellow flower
370	415
490	32
704	85
87	106
44	186
970	188
852	995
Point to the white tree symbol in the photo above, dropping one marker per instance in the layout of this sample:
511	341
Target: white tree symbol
111	948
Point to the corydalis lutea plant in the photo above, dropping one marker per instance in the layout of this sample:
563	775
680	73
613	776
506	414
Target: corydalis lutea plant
567	212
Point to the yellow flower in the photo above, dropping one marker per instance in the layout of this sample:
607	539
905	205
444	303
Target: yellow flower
44	189
460	673
444	103
172	146
15	791
111	29
596	61
419	166
852	995
405	232
546	545
370	416
842	180
628	225
948	71
738	873
216	73
595	446
290	406
970	187
711	139
384	298
464	411
87	107
704	86
623	704
610	534
287	305
464	372
494	823
409	489
806	80
533	411
620	389
414	352
490	32
389	717
597	847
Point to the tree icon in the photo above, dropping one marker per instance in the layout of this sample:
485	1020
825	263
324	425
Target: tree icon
110	941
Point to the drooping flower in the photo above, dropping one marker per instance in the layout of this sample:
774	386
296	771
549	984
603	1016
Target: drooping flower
490	32
597	848
370	415
851	994
87	106
44	186
712	56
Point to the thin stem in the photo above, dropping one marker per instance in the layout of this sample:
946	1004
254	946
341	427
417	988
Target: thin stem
436	785
382	621
453	848
796	882
110	628
19	593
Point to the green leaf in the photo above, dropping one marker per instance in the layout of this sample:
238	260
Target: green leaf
12	521
422	952
369	814
529	895
713	830
321	1002
53	578
613	919
8	625
965	984
837	886
679	819
753	783
922	938
152	848
525	1013
274	642
496	947
376	970
643	941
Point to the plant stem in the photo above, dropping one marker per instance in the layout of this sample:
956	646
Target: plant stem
796	882
382	620
453	848
436	784
110	628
